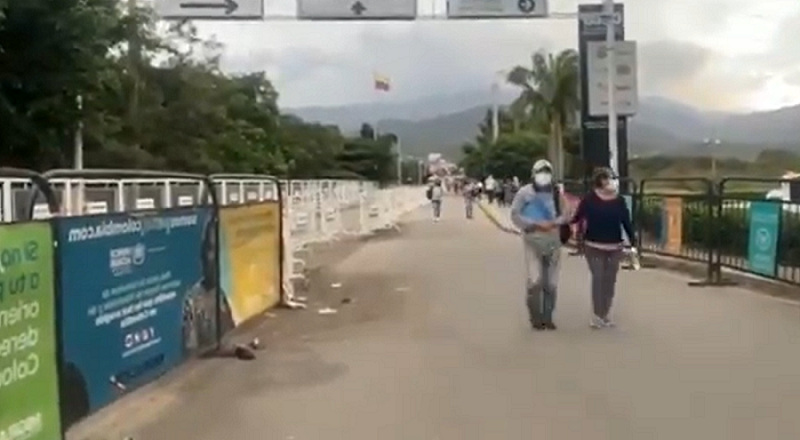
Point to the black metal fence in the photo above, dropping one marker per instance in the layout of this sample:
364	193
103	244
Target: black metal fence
727	224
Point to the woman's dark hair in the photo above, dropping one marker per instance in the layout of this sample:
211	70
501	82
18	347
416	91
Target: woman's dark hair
601	174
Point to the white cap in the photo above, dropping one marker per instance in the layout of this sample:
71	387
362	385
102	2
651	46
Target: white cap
541	165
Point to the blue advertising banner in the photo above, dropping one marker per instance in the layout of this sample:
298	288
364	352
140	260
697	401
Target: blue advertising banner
762	248
138	296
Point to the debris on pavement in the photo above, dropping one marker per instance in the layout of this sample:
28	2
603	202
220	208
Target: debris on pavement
336	285
402	289
327	311
244	353
346	300
255	344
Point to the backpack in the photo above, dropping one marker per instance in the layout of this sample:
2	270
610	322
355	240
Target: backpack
564	231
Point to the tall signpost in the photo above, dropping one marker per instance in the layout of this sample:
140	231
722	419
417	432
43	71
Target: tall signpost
604	131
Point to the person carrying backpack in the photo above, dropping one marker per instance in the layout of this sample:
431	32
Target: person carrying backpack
435	193
536	211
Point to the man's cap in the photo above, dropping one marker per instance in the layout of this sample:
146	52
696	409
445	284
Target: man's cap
541	165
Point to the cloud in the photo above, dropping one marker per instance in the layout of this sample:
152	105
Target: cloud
689	50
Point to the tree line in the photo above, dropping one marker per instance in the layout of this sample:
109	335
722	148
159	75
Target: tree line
147	97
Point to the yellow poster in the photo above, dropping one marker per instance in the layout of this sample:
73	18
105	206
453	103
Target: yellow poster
250	258
674	223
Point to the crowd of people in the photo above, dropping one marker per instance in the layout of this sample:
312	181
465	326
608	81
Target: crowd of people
601	222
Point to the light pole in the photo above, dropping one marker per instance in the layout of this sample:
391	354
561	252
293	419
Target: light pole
496	105
712	144
610	20
399	162
78	153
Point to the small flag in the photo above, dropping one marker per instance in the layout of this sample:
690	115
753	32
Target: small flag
381	82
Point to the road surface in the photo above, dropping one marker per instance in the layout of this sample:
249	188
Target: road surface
447	354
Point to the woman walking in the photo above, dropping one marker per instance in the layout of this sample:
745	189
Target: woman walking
604	215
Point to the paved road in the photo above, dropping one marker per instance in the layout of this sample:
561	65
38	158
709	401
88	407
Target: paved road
453	358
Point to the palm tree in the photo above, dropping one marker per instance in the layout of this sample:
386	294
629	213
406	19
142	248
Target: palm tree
549	96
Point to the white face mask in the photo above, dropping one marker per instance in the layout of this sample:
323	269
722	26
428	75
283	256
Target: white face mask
613	185
542	179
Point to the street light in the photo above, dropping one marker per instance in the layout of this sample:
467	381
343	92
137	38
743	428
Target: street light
709	142
496	104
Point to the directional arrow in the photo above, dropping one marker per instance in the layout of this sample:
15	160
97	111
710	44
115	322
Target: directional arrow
228	5
358	8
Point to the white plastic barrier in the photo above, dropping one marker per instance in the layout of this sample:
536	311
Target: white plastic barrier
315	211
320	211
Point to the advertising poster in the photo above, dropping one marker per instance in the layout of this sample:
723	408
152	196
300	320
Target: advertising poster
673	222
28	374
762	248
138	297
250	258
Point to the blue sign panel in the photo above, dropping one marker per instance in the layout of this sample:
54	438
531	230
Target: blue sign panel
762	249
138	296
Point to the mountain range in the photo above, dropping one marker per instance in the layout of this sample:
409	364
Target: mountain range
662	126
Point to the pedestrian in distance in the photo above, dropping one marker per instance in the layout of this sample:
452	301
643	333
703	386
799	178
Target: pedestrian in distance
603	216
435	193
536	212
469	192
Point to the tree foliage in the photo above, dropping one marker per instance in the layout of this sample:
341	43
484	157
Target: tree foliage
539	123
151	98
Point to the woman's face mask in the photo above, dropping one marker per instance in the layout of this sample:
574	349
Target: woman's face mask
612	185
542	179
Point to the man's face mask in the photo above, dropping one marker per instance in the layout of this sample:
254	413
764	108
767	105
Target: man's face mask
542	179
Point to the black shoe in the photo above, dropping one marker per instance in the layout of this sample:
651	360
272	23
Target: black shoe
550	326
537	326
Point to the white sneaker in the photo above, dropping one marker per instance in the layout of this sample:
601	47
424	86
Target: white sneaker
596	322
608	323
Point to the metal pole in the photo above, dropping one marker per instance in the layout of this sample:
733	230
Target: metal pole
399	162
495	112
78	154
613	146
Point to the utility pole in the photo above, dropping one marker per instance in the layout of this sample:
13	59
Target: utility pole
610	22
495	112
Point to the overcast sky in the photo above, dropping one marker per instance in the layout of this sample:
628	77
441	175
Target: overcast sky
713	54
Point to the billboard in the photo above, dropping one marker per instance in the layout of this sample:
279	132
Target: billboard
139	296
594	129
28	373
626	81
250	262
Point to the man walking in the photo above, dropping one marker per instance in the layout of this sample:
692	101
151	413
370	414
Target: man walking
468	191
435	195
535	210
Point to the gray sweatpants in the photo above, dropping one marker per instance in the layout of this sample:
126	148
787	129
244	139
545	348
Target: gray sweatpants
542	283
437	208
604	266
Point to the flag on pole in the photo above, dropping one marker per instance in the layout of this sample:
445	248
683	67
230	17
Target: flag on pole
381	82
